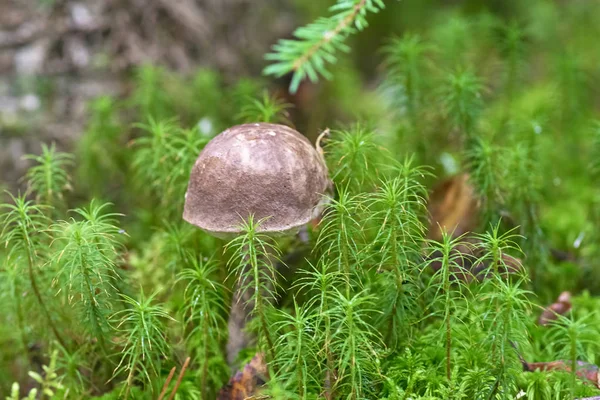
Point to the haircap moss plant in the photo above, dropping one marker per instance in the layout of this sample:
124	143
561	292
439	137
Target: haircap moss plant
575	340
49	179
317	284
397	210
354	156
145	345
203	311
406	75
460	98
86	266
24	229
101	151
268	109
297	351
483	158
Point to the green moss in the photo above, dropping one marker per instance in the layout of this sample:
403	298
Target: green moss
372	308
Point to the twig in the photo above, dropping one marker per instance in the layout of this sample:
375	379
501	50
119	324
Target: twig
521	359
166	385
179	378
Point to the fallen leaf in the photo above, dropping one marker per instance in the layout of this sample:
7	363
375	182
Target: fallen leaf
453	207
560	307
509	265
583	369
247	382
469	267
465	262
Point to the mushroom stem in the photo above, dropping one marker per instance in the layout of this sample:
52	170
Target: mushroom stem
242	307
239	315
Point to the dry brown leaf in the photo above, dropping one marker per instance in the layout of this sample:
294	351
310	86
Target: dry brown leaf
509	265
585	371
560	307
453	207
247	382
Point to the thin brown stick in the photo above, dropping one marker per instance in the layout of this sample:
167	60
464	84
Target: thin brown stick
179	378
166	385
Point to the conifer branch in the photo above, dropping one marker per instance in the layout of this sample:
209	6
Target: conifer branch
344	24
316	44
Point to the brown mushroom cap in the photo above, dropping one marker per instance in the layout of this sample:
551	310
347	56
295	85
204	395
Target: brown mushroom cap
270	171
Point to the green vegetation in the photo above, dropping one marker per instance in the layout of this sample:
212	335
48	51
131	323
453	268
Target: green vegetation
105	288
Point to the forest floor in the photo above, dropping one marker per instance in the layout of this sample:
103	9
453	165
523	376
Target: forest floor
56	55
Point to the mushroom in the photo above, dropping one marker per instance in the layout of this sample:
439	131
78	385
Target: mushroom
266	170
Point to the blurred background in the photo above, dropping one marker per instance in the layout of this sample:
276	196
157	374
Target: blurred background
57	55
